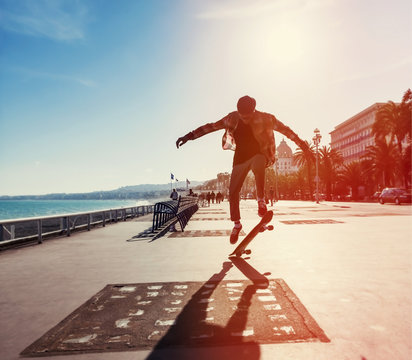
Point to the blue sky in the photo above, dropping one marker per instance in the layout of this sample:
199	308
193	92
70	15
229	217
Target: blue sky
94	94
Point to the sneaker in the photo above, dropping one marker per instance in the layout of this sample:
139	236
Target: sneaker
262	210
235	234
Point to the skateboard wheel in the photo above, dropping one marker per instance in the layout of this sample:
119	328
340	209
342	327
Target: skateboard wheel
248	252
270	227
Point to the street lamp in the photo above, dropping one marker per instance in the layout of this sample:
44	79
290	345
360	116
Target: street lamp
316	141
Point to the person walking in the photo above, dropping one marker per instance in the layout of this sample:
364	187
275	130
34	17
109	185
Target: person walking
213	197
174	195
271	195
249	133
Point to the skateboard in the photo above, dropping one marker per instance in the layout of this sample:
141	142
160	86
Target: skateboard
262	226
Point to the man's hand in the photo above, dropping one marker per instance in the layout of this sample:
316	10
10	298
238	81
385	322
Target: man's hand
184	139
181	141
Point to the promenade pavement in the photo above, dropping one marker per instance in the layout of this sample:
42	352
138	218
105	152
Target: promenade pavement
349	264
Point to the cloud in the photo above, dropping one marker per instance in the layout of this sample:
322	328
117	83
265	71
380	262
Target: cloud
378	71
52	76
240	9
236	9
60	20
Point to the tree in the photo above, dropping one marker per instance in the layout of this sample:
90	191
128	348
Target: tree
382	161
300	182
351	175
406	165
223	180
306	161
394	122
370	177
330	161
406	112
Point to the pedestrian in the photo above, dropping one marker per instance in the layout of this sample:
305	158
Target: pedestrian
271	195
174	195
212	197
249	133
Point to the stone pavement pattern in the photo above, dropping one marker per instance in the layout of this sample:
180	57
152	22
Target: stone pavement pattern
349	264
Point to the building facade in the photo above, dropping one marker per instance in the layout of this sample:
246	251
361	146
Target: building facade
284	164
353	136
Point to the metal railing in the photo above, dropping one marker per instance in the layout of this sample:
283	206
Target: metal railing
24	230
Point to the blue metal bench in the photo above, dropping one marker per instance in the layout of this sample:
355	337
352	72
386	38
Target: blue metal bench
167	214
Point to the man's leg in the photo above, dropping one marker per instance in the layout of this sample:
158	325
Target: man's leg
239	173
258	167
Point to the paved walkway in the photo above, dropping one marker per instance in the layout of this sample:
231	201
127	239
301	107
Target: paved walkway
348	264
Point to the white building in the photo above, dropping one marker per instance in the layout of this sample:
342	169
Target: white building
284	164
354	135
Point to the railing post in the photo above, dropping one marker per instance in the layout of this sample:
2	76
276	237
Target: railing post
68	225
89	221
12	232
104	218
1	232
39	231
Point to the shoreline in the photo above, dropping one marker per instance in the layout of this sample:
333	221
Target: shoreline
27	209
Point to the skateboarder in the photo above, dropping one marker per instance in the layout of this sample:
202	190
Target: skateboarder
249	133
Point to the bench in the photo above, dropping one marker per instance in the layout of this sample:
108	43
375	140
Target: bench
167	214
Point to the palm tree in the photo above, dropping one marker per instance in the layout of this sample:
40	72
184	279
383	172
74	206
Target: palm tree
330	161
383	160
406	112
406	165
406	119
299	180
351	175
391	121
306	161
371	178
394	122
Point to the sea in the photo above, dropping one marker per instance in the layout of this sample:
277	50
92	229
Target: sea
16	209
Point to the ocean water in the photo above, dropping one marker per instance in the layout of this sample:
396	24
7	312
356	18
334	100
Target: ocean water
15	209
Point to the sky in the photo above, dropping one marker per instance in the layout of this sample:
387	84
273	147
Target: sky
95	93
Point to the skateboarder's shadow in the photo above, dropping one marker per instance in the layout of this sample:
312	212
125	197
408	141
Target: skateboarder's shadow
196	335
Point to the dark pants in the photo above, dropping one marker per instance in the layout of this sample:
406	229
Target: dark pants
239	172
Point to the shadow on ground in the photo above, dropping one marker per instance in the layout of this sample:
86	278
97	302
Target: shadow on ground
209	336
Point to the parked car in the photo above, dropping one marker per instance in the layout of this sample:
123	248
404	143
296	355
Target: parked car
395	195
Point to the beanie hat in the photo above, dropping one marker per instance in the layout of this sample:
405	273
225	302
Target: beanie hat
246	105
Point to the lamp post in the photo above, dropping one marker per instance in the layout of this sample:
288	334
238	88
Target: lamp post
316	141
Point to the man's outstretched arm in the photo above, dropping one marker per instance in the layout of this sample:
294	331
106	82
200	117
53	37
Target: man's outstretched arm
290	134
200	131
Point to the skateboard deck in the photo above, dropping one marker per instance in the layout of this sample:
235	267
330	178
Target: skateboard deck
262	226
